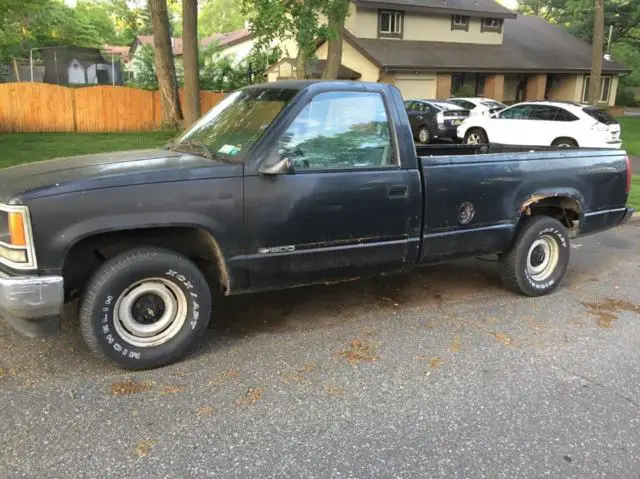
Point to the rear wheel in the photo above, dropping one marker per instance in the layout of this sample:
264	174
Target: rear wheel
537	260
423	135
145	308
564	143
476	136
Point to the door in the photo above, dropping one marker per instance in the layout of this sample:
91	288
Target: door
512	126
547	124
345	210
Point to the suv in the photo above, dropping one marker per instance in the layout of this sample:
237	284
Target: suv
479	106
544	123
434	119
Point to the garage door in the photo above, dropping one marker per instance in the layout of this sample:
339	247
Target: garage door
417	87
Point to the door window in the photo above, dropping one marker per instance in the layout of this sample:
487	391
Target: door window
543	113
340	130
520	112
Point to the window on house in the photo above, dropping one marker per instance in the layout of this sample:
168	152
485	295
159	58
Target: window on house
390	24
491	25
460	22
603	93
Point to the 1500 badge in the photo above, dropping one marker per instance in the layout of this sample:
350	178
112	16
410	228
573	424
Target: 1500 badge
277	249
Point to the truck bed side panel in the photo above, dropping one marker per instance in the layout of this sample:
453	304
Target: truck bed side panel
497	187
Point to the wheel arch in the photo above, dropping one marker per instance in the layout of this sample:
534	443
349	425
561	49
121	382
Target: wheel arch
566	138
88	251
566	205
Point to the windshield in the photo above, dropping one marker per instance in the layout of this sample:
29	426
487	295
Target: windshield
236	123
493	104
446	105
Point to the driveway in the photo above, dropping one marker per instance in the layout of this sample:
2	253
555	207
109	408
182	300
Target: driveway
440	373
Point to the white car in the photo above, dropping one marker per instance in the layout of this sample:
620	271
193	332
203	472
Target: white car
479	106
544	123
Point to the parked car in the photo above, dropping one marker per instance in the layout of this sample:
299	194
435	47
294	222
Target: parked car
434	119
281	185
478	106
545	123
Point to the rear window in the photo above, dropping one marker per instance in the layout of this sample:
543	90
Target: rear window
493	104
446	105
600	115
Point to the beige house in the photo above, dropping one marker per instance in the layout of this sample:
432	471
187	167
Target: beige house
430	49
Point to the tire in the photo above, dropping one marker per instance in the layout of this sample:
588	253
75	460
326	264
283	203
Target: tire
564	143
540	240
125	296
476	136
424	136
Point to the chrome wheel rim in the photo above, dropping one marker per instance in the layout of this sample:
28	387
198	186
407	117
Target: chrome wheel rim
423	136
543	258
150	312
474	139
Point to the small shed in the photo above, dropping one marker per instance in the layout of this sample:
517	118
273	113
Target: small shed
80	66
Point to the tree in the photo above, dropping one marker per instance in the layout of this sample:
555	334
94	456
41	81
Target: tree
285	20
220	16
190	58
596	59
165	68
336	13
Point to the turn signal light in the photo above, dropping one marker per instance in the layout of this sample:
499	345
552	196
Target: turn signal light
17	230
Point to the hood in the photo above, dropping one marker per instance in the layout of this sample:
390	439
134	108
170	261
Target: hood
104	170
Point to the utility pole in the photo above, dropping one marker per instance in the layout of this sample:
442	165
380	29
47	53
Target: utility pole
596	57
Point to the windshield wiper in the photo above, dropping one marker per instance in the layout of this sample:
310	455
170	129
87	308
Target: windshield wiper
193	146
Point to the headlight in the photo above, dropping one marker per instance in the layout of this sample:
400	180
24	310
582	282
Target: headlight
16	239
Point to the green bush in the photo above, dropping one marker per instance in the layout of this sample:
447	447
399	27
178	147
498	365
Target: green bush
625	97
465	91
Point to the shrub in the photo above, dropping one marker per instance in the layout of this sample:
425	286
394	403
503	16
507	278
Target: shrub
625	97
465	91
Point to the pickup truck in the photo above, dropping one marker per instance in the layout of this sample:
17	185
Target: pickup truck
281	185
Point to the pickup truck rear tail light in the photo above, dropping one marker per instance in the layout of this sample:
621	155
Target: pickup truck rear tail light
628	187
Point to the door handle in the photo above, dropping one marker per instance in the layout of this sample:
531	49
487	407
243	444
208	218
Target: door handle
398	191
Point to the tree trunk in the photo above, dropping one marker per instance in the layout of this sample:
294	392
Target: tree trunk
596	58
337	16
165	68
301	64
190	59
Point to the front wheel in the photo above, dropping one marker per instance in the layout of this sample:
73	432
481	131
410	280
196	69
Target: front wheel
424	136
145	308
476	136
537	260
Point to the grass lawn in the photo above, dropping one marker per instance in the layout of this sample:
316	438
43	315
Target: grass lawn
16	148
634	196
630	134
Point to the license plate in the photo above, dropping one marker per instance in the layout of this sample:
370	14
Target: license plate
457	122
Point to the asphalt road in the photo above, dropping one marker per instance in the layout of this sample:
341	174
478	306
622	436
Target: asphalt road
440	373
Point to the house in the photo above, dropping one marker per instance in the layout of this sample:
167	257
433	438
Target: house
432	48
237	45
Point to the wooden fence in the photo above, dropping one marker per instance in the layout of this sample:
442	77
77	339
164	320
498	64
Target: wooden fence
41	107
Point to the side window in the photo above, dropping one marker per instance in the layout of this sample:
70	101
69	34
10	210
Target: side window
543	113
564	115
340	130
409	106
516	113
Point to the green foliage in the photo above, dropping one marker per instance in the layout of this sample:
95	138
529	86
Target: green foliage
220	16
625	97
217	71
465	91
128	20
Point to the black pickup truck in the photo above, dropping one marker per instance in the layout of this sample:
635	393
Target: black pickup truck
281	185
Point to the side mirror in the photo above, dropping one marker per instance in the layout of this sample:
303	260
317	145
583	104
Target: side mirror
284	166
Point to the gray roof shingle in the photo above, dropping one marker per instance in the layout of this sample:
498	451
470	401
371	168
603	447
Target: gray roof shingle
530	44
461	7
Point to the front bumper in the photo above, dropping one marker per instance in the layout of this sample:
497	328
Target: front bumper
32	304
447	131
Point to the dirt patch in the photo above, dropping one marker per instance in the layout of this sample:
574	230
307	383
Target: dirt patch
606	310
223	378
455	345
252	396
204	411
171	390
504	339
143	448
333	390
434	361
308	367
128	387
360	350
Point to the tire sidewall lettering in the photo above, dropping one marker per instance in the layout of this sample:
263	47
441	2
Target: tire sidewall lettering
106	309
563	243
